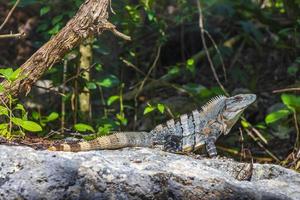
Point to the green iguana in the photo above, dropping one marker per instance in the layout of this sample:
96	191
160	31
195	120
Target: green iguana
186	134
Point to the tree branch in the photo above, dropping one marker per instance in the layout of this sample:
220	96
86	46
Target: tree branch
90	19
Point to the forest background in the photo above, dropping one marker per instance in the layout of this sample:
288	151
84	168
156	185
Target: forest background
171	65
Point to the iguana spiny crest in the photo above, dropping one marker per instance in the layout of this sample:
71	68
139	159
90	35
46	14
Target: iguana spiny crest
186	134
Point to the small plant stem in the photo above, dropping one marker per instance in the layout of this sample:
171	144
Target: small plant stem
103	101
121	100
10	116
63	104
297	143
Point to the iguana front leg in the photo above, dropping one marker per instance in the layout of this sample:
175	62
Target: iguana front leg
213	131
211	147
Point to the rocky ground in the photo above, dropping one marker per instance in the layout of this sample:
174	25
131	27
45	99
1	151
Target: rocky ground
135	173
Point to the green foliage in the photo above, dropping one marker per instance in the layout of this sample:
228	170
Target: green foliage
81	127
44	120
10	75
258	42
149	108
292	103
277	115
13	116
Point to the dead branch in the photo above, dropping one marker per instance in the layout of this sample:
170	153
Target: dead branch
90	19
9	14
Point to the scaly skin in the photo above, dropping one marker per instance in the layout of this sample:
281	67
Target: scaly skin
186	134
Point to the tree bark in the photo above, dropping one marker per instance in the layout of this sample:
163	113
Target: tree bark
90	19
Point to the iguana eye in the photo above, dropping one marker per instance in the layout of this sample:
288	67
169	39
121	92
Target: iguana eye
238	98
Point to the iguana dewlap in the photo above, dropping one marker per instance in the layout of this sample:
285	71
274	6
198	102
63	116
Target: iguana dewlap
185	134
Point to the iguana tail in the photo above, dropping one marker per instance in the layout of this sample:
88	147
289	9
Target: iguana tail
114	141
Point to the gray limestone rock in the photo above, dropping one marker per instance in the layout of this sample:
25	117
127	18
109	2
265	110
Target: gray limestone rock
135	173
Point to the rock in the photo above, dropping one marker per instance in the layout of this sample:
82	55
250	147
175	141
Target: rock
135	173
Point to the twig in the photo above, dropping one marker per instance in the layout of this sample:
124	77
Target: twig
201	26
219	53
79	73
262	138
286	90
149	72
235	58
16	35
111	9
297	143
9	14
63	103
261	145
129	64
109	26
143	83
238	153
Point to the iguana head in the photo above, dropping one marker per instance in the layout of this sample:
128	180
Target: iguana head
234	107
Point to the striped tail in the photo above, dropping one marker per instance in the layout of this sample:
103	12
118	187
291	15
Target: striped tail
115	141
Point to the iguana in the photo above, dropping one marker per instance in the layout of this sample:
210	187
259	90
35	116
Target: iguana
186	134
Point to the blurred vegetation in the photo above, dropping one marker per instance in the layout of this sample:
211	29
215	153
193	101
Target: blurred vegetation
163	72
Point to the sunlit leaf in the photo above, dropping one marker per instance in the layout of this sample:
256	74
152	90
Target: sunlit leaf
1	88
122	119
245	124
83	127
3	110
53	116
3	126
91	85
277	115
31	126
20	107
27	125
291	100
190	64
15	75
6	73
161	108
109	81
112	99
148	109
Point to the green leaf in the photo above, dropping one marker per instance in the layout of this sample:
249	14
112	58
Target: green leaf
53	116
20	107
245	124
106	128
161	108
31	126
122	118
1	88
15	75
3	126
55	29
3	110
17	121
6	72
35	115
98	67
190	64
83	127
44	10
291	100
277	115
91	85
109	81
292	70
148	109
27	125
57	19
112	99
